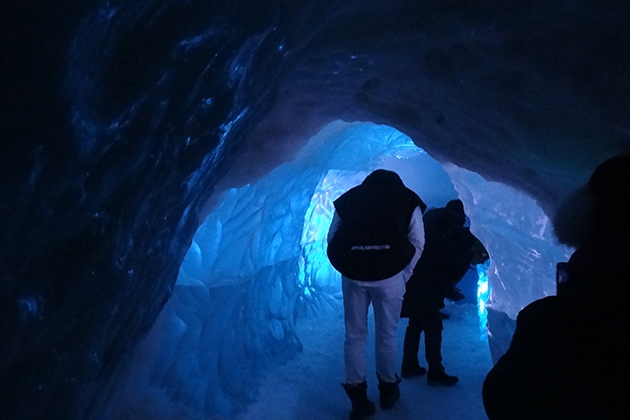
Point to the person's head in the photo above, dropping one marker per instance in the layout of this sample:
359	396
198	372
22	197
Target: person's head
383	176
610	188
457	208
599	208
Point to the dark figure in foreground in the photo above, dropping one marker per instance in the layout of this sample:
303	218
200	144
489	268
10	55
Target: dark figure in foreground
449	251
375	239
568	358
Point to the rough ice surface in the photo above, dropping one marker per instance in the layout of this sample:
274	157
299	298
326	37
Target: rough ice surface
523	251
519	237
125	117
257	266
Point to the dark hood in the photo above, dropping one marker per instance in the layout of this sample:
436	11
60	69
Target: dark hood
598	209
383	176
602	265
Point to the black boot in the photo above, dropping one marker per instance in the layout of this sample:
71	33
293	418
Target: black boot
412	369
455	295
389	392
440	378
362	407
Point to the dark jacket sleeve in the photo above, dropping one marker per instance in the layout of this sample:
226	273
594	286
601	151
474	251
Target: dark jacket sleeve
529	381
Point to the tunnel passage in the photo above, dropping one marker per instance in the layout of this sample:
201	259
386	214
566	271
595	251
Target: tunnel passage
116	109
257	265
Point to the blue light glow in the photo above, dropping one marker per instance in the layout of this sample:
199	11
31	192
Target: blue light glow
483	293
372	147
257	265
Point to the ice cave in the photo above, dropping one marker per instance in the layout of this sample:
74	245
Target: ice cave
169	167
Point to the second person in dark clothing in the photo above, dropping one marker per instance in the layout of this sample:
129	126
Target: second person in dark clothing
450	248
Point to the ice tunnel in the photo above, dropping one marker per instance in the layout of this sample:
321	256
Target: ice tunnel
167	168
257	265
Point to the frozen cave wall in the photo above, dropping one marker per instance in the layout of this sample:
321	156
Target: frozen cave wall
257	266
125	121
253	270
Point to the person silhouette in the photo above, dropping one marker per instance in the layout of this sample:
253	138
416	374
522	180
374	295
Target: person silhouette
374	241
450	249
568	358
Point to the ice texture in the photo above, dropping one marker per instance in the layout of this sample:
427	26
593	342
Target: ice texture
523	251
257	266
519	237
123	118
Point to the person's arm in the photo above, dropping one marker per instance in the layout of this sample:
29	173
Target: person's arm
416	237
334	225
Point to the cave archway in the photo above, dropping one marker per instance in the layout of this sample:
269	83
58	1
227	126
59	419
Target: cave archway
257	263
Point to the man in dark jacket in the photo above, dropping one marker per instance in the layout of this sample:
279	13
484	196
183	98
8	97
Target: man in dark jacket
375	239
449	250
568	358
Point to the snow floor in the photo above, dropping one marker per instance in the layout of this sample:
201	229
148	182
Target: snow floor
308	387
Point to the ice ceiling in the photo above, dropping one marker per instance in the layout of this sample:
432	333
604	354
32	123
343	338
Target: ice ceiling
126	124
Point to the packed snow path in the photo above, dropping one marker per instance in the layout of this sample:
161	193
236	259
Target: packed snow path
309	386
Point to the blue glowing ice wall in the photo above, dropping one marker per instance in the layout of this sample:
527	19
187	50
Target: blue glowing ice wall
274	219
419	172
317	277
523	249
249	275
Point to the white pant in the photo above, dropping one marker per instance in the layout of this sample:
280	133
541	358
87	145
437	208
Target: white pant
386	297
